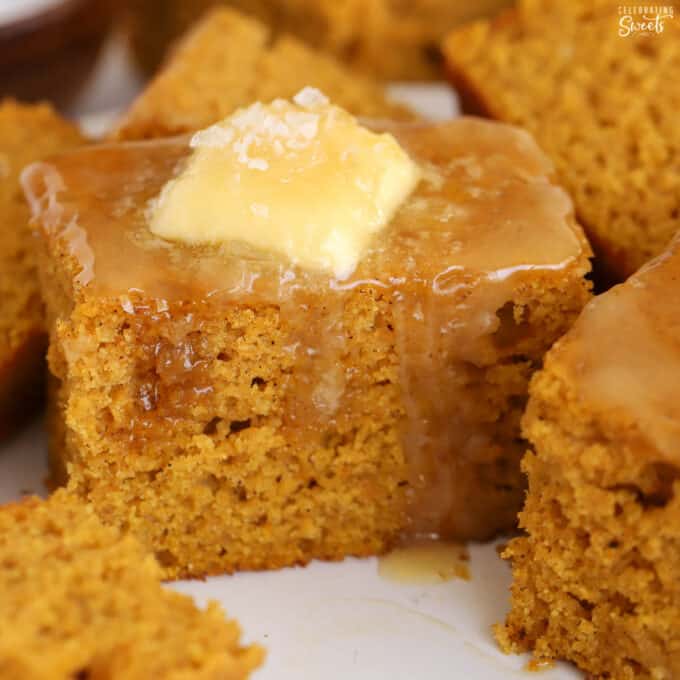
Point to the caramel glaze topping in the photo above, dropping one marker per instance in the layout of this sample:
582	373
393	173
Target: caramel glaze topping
623	354
485	216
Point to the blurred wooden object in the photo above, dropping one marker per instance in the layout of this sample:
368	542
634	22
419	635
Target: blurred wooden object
47	53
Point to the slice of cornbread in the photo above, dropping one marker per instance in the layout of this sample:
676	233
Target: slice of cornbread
597	578
238	412
230	60
388	40
27	133
603	106
78	600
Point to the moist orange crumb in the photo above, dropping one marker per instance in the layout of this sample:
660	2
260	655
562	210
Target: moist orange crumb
596	579
27	133
78	599
602	106
229	60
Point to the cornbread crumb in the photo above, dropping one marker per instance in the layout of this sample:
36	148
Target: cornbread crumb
596	580
235	411
27	133
229	60
604	108
384	39
78	600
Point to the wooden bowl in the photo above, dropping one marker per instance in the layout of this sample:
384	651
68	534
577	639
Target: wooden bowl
49	47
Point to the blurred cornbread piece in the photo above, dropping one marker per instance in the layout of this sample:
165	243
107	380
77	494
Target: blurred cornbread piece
229	60
78	600
603	107
237	411
27	133
384	39
597	577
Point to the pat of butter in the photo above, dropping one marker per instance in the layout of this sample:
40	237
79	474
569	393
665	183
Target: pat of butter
302	179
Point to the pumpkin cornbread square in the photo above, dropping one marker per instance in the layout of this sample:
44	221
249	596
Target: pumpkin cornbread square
602	105
384	39
236	411
596	580
27	133
78	600
229	60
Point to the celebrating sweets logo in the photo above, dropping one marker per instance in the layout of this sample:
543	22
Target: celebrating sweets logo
643	19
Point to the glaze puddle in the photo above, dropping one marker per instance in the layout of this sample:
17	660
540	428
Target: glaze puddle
426	561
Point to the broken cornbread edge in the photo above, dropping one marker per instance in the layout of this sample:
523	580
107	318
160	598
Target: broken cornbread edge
554	614
102	609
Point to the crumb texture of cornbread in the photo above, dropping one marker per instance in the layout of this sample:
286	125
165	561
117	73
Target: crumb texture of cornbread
596	579
238	412
78	600
27	133
384	39
229	60
603	107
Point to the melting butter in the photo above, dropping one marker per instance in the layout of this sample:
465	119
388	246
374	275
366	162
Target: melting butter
302	179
